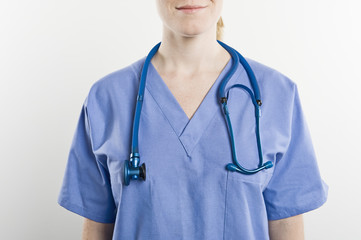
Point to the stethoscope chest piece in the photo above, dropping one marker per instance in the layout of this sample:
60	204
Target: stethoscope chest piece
133	172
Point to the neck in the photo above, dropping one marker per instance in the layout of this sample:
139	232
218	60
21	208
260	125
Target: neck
189	55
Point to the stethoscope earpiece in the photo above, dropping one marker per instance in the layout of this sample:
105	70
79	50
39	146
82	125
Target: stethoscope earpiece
231	167
268	164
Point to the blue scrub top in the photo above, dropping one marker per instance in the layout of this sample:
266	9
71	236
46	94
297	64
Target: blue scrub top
188	193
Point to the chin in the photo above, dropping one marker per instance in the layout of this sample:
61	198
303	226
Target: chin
191	34
193	31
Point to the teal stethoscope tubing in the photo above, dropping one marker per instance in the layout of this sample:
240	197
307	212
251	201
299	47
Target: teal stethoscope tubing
132	170
256	100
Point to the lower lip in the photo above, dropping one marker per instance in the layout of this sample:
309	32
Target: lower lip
190	10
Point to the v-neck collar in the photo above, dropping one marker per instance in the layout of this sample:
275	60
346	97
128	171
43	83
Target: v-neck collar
189	131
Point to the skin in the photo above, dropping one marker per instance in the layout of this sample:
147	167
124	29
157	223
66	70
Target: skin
287	228
189	61
188	44
97	231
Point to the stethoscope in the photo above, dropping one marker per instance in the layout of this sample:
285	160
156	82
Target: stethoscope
132	169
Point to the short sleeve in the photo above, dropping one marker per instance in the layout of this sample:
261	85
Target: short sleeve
296	186
86	186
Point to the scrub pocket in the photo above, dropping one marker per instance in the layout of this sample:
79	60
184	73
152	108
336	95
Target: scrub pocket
245	212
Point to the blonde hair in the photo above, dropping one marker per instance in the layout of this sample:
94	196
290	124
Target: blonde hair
220	27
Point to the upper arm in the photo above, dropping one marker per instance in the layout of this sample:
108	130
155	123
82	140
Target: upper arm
95	230
86	188
287	228
296	186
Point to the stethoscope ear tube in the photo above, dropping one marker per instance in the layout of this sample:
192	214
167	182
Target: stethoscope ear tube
256	100
236	166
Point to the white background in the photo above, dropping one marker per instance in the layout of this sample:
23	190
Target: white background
52	51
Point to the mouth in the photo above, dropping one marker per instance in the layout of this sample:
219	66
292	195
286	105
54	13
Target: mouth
190	8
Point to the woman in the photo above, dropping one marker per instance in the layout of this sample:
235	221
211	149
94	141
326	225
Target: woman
183	138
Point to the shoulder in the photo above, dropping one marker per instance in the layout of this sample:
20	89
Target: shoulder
119	83
119	79
272	82
266	74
